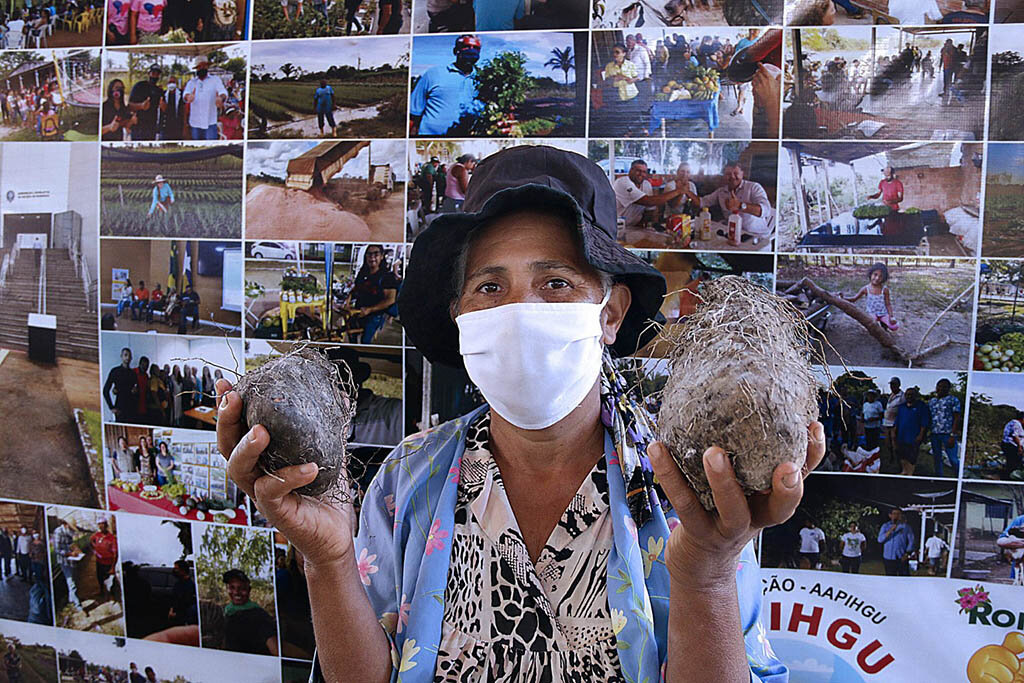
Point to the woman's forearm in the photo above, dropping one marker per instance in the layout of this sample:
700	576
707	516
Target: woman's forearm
698	616
350	643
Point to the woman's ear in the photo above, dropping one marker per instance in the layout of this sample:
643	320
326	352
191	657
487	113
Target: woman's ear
615	312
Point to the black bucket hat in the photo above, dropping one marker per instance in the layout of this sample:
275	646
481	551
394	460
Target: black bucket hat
525	176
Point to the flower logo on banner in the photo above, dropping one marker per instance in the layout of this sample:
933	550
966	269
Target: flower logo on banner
970	599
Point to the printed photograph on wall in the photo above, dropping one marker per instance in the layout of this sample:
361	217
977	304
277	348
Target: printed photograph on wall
160	601
82	656
174	189
339	88
376	374
470	16
685	14
999	339
440	171
1005	121
907	422
235	575
171	661
145	374
1004	200
28	652
867	12
990	534
158	22
685	273
48	261
170	472
498	85
884	311
24	565
322	19
323	291
66	25
885	83
348	191
49	95
294	614
661	83
184	92
152	286
662	188
885	526
995	428
881	198
87	586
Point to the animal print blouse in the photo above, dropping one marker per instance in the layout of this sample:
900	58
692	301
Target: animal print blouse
506	619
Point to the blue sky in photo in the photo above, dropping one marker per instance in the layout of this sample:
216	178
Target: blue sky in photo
428	51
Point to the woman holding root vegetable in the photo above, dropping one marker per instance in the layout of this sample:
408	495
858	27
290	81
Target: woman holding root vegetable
546	535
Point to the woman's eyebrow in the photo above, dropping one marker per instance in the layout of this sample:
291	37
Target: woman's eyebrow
540	266
487	270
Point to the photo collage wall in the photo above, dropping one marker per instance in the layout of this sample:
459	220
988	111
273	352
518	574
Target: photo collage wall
189	190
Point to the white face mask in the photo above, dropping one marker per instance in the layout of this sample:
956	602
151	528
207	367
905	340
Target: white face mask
533	362
171	87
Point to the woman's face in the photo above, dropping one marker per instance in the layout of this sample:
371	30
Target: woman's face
163	448
619	55
876	277
122	442
373	258
117	91
531	256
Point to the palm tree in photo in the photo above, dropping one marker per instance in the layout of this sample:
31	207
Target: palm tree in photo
562	59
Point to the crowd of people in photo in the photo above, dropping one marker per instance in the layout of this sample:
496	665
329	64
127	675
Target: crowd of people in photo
627	85
857	428
150	395
896	538
389	18
25	26
841	85
136	22
207	106
170	305
22	555
153	464
39	108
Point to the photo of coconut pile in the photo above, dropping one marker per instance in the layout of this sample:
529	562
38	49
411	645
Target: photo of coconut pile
349	191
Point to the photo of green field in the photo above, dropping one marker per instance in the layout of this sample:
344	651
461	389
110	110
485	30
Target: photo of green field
1004	202
369	80
204	181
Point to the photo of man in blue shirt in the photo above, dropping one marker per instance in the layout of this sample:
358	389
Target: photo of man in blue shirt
446	92
897	539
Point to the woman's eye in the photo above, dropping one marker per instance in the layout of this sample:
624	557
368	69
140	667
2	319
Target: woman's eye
488	288
558	283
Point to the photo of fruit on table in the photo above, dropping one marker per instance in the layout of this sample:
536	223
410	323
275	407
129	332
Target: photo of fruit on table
171	500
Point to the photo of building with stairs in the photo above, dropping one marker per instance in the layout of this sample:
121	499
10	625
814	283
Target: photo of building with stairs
48	324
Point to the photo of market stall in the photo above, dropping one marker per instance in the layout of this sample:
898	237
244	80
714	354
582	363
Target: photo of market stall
885	82
999	337
870	197
683	82
709	175
323	291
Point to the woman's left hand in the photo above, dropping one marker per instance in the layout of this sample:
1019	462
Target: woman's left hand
703	550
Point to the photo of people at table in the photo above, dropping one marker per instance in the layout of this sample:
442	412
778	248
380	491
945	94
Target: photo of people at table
171	286
885	83
866	525
24	566
881	198
159	580
324	291
164	381
87	593
685	194
501	85
884	311
866	12
990	534
686	83
175	473
906	422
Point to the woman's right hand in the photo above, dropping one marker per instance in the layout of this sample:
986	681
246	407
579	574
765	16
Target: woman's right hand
321	531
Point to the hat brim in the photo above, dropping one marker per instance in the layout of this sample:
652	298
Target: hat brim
424	302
